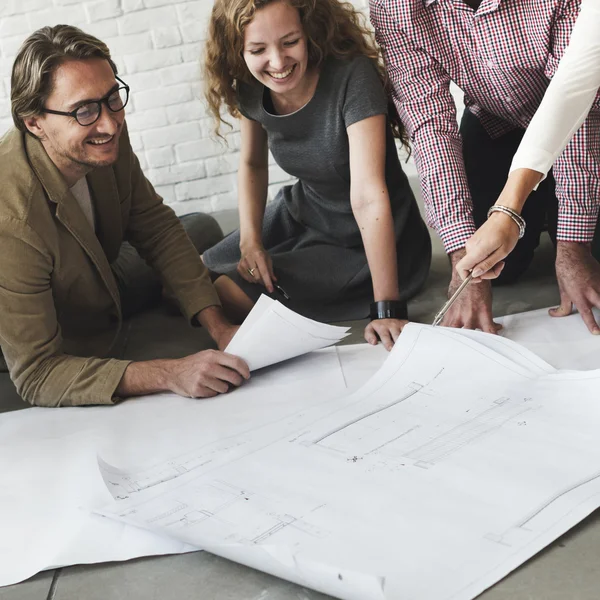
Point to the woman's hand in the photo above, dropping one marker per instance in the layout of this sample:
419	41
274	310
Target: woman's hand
386	330
488	247
256	266
498	236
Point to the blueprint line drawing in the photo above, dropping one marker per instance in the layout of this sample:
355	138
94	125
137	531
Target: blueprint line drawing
231	510
448	455
49	490
523	524
375	411
292	410
466	433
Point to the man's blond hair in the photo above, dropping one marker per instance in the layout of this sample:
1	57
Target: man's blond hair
38	58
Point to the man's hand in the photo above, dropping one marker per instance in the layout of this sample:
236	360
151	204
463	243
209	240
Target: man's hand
578	275
206	374
488	247
388	331
201	375
473	309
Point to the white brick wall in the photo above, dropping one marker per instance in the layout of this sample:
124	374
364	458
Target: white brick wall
157	46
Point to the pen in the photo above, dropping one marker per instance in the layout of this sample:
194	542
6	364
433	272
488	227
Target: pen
446	307
281	291
275	285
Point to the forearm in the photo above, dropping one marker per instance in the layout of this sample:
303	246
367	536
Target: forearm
253	185
519	185
142	378
213	319
446	193
375	221
421	92
455	257
159	237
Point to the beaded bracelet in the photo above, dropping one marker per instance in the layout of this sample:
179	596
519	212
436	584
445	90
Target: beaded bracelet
513	214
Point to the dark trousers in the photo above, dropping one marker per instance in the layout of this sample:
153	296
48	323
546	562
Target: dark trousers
487	162
139	285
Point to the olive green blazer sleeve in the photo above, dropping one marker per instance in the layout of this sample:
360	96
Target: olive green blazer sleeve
31	336
159	237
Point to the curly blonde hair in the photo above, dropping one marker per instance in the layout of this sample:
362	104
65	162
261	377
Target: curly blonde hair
332	28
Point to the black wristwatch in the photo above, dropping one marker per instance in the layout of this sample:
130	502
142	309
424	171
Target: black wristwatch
389	309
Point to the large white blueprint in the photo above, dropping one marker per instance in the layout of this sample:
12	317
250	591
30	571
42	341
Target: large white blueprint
564	342
49	465
463	456
272	333
48	457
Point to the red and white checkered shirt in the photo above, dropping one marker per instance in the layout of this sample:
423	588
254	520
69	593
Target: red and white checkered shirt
502	56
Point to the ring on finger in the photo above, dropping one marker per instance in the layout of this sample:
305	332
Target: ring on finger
251	271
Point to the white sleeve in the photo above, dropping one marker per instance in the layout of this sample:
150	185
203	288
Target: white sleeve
568	98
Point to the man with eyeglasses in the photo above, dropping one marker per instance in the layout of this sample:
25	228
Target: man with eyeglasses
72	196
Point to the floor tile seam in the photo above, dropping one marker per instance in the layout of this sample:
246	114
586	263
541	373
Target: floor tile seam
53	586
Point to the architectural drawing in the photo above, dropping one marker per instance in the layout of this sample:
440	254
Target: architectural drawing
448	454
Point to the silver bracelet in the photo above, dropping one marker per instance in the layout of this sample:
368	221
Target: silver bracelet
513	214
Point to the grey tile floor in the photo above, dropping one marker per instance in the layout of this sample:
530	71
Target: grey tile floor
567	569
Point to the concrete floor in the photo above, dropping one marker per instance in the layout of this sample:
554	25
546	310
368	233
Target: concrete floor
567	569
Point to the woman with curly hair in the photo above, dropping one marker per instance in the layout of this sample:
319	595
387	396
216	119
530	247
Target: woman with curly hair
306	81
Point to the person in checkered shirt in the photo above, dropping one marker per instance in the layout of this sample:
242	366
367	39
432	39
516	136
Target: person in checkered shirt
502	55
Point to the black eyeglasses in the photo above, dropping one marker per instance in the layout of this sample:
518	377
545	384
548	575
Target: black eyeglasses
88	113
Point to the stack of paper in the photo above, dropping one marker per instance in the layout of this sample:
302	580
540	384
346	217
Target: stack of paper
273	333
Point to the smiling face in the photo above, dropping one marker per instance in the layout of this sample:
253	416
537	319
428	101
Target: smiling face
275	48
75	149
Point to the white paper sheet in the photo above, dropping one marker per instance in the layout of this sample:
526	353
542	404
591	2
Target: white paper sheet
457	456
48	462
272	333
49	466
564	342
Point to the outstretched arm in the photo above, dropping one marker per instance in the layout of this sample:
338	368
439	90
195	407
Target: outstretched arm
371	207
565	107
255	264
421	92
202	375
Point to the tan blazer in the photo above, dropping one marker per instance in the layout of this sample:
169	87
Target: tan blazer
60	312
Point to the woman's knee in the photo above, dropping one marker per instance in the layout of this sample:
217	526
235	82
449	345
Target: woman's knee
204	230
